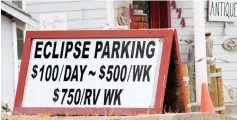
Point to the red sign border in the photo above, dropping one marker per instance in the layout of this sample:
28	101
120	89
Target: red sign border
168	34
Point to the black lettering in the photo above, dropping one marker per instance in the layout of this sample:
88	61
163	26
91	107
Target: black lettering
116	73
217	9
106	50
137	72
68	48
125	49
117	96
151	51
221	7
82	71
85	48
98	48
48	73
77	49
87	97
77	96
115	49
38	49
75	73
133	47
45	48
54	51
227	10
123	73
140	49
67	74
108	96
224	9
62	49
235	7
212	9
95	96
231	9
146	73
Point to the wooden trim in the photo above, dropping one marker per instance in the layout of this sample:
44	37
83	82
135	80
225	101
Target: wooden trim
18	14
154	8
165	15
160	14
15	55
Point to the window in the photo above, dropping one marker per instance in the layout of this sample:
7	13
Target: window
19	32
18	3
20	42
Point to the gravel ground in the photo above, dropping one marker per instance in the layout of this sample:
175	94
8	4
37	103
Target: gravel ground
46	117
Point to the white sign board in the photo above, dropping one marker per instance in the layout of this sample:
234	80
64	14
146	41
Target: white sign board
222	10
54	21
93	73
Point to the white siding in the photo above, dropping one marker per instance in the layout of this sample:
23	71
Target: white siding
217	30
80	14
7	68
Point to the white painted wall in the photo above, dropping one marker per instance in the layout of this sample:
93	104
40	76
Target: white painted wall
216	28
80	14
7	69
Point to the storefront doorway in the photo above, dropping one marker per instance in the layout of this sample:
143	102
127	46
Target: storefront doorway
157	13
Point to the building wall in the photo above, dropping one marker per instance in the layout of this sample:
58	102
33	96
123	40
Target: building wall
80	14
217	30
92	15
7	69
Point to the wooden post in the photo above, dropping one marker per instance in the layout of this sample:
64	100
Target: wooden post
200	47
214	92
220	91
110	12
209	78
191	68
186	79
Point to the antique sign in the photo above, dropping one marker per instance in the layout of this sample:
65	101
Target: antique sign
222	10
116	72
230	44
54	21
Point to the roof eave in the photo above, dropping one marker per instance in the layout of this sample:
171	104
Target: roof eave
18	14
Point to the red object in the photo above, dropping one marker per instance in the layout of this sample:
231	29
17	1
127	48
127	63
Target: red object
169	37
183	22
132	17
179	11
155	21
206	103
165	14
173	4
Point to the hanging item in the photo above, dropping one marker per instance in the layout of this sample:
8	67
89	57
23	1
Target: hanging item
140	20
173	4
179	11
123	16
230	44
183	22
